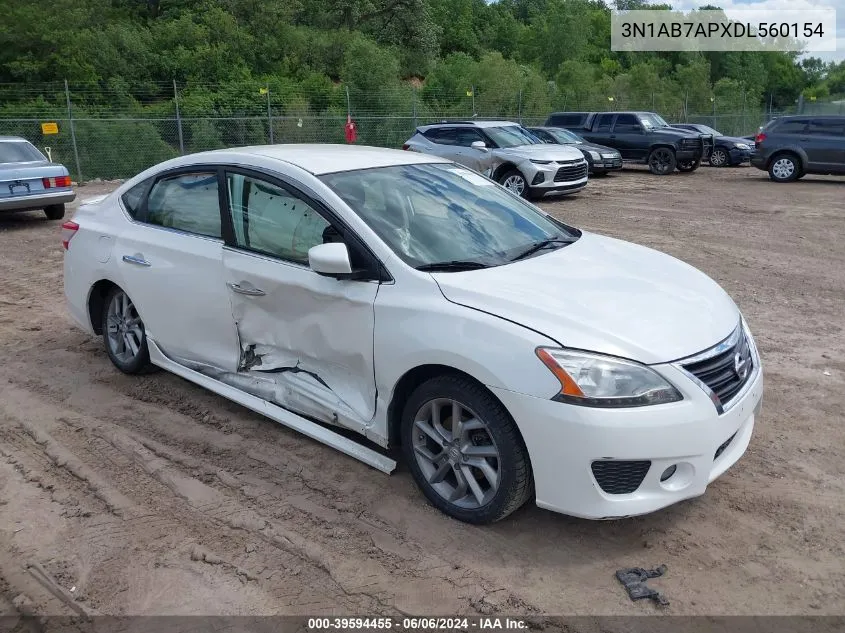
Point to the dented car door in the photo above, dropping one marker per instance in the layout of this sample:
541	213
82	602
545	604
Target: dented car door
306	340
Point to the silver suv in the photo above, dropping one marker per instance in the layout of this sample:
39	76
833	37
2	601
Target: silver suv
507	153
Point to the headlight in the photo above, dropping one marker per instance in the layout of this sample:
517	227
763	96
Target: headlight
743	146
594	155
612	155
540	162
594	380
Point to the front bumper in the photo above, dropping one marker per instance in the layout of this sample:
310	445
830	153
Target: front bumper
37	200
564	440
739	156
605	165
554	176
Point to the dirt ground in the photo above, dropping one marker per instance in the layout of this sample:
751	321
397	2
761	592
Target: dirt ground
151	496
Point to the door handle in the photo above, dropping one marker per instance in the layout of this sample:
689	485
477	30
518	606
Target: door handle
138	261
252	292
612	136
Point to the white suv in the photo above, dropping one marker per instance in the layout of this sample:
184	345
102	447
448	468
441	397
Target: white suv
507	153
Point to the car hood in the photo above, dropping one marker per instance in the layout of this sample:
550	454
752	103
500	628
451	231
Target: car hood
733	139
603	295
544	151
596	148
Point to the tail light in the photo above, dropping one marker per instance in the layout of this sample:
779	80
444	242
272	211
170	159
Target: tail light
69	229
406	146
56	181
761	136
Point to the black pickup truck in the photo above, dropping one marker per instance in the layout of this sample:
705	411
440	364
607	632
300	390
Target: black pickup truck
641	137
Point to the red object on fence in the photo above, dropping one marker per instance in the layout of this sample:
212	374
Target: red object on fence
350	129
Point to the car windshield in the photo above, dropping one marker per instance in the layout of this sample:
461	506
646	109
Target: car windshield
705	129
436	214
565	136
651	120
511	136
18	152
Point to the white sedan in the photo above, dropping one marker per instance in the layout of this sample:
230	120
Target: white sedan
407	298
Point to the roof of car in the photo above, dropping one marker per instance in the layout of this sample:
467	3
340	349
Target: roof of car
326	158
13	138
469	123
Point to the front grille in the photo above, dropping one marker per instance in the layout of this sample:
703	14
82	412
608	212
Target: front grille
617	477
571	172
723	446
691	143
727	370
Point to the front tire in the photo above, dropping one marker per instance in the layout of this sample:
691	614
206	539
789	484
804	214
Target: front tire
719	157
661	161
515	182
55	211
124	335
785	168
465	451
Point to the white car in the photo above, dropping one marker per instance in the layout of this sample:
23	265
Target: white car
420	304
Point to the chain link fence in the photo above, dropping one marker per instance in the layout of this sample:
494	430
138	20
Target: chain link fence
118	135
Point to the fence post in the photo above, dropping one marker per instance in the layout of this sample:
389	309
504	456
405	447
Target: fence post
414	104
743	109
686	102
269	116
178	119
519	106
73	134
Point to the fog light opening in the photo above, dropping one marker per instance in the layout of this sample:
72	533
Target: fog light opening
668	472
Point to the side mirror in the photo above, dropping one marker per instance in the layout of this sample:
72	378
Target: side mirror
479	145
331	260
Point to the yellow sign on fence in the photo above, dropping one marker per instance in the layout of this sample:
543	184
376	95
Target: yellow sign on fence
50	128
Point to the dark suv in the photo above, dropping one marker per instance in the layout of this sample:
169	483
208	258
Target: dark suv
791	146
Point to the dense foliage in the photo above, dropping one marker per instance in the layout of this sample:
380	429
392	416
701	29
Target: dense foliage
432	58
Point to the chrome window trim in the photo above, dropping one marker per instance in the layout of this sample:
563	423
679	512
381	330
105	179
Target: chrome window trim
719	348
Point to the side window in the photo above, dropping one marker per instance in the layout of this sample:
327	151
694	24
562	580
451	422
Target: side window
792	127
442	136
565	120
134	198
270	220
626	123
822	127
467	136
187	202
604	123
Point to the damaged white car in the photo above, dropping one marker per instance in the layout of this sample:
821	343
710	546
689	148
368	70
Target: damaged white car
420	304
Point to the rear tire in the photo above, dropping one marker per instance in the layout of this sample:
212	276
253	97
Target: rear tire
479	474
661	161
124	335
55	211
689	165
785	167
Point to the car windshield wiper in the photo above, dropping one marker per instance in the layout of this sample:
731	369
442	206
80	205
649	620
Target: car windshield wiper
455	264
538	246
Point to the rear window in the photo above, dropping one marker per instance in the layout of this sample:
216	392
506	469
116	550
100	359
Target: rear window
566	120
19	152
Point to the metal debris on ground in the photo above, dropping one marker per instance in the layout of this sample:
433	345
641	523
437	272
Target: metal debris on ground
634	579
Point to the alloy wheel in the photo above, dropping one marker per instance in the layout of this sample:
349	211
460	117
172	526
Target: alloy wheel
456	453
515	183
124	328
718	158
661	161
